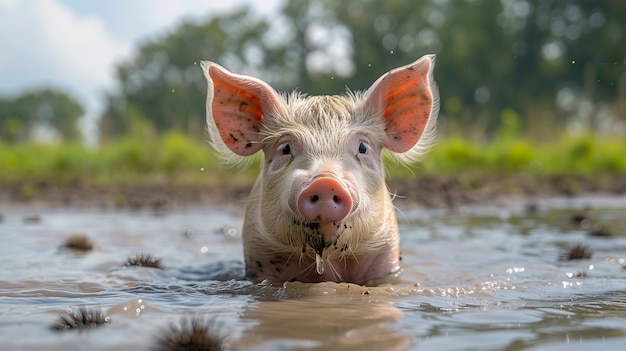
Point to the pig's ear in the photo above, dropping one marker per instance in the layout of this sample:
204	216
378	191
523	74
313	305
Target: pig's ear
236	106
408	99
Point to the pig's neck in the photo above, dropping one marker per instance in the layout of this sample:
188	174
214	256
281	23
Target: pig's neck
266	258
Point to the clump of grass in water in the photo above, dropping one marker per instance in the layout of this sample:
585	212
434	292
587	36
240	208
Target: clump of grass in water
144	260
79	242
31	219
600	231
580	220
191	334
576	252
81	318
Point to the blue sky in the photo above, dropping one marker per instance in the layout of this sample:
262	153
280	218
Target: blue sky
73	45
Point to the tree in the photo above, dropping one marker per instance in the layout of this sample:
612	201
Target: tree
164	84
494	58
43	108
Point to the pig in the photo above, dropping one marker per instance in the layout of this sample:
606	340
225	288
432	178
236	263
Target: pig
320	209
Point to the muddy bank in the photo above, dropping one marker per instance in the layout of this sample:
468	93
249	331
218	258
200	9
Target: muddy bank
422	191
455	191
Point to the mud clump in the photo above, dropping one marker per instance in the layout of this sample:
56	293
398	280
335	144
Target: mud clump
79	242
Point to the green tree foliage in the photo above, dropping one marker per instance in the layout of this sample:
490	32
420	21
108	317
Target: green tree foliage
528	58
163	83
44	108
494	55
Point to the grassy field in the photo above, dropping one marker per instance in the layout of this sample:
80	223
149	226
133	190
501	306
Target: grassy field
175	158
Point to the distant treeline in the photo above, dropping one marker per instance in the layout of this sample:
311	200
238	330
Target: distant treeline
546	65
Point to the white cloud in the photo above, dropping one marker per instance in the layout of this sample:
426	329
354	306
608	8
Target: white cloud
48	44
126	21
80	46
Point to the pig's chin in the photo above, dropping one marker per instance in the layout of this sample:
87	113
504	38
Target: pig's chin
322	235
329	231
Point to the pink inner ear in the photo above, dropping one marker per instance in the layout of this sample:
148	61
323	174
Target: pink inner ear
406	99
237	110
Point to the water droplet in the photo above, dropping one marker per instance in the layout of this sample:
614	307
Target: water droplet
319	264
229	231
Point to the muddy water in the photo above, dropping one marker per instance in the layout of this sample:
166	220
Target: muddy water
485	278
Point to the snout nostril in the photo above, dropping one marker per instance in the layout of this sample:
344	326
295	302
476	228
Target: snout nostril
324	200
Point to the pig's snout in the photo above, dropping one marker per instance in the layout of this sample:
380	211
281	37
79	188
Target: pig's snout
325	200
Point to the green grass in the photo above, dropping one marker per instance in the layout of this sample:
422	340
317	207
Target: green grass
173	157
584	155
169	158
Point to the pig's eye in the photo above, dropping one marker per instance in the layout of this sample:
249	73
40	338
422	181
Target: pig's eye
362	148
285	149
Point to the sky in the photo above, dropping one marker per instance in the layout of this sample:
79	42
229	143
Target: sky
74	45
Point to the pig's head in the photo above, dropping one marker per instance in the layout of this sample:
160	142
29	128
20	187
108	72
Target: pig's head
322	191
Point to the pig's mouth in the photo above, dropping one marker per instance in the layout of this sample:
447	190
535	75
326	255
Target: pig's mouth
323	238
323	235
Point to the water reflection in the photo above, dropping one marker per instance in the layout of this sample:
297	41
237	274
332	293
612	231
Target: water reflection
322	322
